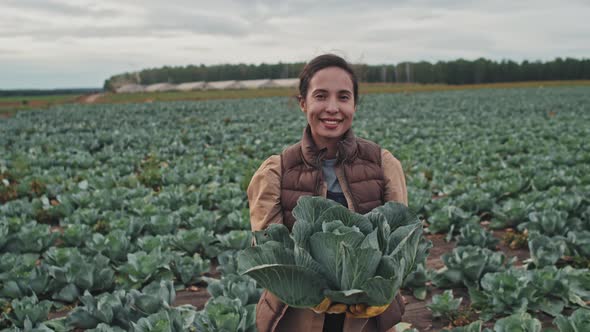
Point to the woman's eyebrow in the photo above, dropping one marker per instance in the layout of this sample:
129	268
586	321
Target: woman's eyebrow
319	90
326	91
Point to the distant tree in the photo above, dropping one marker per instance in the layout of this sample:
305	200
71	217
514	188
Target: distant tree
458	71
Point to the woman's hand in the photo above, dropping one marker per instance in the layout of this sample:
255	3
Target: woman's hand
327	307
364	311
354	310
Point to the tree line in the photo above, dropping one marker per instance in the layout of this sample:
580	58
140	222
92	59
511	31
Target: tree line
46	92
445	72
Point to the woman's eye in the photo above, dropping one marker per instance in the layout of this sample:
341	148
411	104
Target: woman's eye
320	97
344	97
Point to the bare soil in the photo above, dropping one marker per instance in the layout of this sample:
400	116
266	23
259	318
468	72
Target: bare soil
90	99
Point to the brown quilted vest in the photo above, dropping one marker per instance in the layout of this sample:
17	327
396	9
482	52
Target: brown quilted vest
301	173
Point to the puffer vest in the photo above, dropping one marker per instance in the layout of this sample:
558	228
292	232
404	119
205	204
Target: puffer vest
301	173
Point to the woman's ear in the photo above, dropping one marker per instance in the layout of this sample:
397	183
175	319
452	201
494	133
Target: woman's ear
302	103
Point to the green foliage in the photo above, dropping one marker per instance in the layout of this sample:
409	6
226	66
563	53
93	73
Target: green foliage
228	262
115	245
510	213
550	223
417	280
102	327
19	283
3	235
578	242
106	308
475	235
578	321
545	251
476	200
51	211
518	322
225	314
236	239
197	240
150	242
12	187
465	266
233	286
122	308
473	327
444	305
77	168
333	252
28	312
150	172
16	264
142	268
449	218
162	224
32	238
169	320
76	235
188	270
548	290
73	273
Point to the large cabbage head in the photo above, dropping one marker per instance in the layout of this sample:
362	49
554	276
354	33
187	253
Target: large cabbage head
335	253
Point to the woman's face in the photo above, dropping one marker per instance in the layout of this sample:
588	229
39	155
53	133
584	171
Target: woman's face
329	105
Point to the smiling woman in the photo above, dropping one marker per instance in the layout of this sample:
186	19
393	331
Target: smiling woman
329	161
329	106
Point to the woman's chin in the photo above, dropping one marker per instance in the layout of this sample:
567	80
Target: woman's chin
330	134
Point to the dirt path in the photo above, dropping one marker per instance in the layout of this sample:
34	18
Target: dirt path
90	99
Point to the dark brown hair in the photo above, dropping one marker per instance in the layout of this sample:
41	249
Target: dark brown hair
324	61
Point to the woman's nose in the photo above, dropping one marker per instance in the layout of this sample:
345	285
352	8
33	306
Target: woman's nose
332	105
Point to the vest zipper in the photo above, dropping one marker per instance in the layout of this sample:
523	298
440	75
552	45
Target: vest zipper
342	158
346	188
318	167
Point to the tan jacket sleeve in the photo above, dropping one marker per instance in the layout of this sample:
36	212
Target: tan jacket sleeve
264	194
395	180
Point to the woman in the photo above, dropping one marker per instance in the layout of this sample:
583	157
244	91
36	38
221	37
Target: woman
329	161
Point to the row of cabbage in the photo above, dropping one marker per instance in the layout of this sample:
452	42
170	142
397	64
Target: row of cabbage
106	204
534	183
116	227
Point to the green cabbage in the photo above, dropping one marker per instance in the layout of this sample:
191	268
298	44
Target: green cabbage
335	253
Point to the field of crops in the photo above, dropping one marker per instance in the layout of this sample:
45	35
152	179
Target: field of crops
108	212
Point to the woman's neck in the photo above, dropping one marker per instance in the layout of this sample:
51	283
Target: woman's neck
330	144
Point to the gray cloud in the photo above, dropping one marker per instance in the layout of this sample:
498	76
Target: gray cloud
9	51
93	40
56	7
174	19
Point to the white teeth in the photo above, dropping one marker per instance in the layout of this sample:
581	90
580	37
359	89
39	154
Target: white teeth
330	121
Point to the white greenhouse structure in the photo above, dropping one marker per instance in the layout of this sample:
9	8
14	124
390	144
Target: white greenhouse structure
286	82
191	86
130	88
160	87
224	85
258	84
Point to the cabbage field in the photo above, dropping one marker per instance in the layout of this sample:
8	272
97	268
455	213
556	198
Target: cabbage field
126	217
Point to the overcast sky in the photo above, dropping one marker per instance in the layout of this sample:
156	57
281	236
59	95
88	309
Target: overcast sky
80	43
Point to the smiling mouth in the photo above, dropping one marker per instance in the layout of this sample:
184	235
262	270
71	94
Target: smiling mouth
331	121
